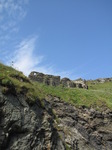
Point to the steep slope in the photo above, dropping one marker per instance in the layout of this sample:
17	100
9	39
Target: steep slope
26	127
24	122
83	128
34	116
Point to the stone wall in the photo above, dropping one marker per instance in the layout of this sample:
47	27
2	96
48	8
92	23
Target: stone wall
66	82
80	83
46	79
56	80
100	80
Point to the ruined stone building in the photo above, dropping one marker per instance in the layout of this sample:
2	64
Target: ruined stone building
56	80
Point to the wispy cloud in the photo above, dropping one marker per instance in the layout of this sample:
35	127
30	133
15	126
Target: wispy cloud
24	53
11	13
24	56
26	59
13	9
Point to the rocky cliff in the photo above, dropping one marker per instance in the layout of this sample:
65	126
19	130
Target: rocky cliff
27	127
55	125
83	128
31	119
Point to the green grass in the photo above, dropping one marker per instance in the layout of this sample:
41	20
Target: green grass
82	97
16	82
98	96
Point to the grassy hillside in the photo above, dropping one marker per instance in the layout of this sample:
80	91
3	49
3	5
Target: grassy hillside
98	95
15	82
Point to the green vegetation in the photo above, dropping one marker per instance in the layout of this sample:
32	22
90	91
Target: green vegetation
67	147
98	95
15	82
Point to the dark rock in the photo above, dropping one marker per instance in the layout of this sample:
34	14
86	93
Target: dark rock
27	127
89	130
55	126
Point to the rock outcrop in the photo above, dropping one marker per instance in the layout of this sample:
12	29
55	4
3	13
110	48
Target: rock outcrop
33	119
83	128
56	80
52	125
27	127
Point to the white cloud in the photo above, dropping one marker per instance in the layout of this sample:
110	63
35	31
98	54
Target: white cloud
11	13
26	59
13	8
24	56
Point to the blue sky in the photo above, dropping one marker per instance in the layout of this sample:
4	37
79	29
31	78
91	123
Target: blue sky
67	38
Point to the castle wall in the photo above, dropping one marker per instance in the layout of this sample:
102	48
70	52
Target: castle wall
66	82
46	79
56	81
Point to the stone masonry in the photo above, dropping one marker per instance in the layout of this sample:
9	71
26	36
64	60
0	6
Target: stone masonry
46	79
56	80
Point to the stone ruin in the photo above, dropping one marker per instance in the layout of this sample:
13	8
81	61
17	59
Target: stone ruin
46	79
80	83
56	80
100	80
66	82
